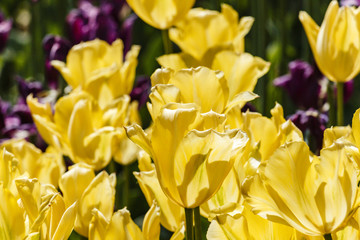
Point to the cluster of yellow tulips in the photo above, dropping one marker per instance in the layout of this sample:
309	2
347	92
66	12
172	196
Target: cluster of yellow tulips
251	176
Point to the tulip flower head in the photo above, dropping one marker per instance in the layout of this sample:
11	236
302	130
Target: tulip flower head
121	226
161	14
304	84
336	43
171	215
56	48
316	196
196	159
204	32
187	86
90	192
94	141
98	68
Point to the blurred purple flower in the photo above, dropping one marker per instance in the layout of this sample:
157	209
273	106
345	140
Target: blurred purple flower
5	27
56	48
311	122
16	121
141	90
304	84
88	22
350	2
126	32
25	88
307	87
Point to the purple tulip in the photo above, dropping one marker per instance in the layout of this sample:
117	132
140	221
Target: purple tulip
350	2
56	48
25	88
16	121
126	32
88	22
141	90
311	122
5	27
304	84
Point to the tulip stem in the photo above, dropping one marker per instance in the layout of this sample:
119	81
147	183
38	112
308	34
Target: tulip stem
166	41
328	236
126	186
340	103
197	223
331	101
189	223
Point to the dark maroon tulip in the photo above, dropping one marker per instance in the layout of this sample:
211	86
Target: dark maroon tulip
5	27
56	48
304	84
88	22
126	32
16	121
141	90
25	88
311	122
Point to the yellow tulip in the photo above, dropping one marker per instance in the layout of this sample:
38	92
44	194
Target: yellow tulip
98	68
316	195
121	226
241	71
171	215
227	199
192	156
49	219
187	86
9	170
338	132
90	192
263	141
351	231
12	221
204	32
82	130
161	14
356	127
47	167
336	44
245	225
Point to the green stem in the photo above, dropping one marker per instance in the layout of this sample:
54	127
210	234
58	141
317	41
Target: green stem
331	102
197	224
189	223
166	41
125	196
340	103
328	236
